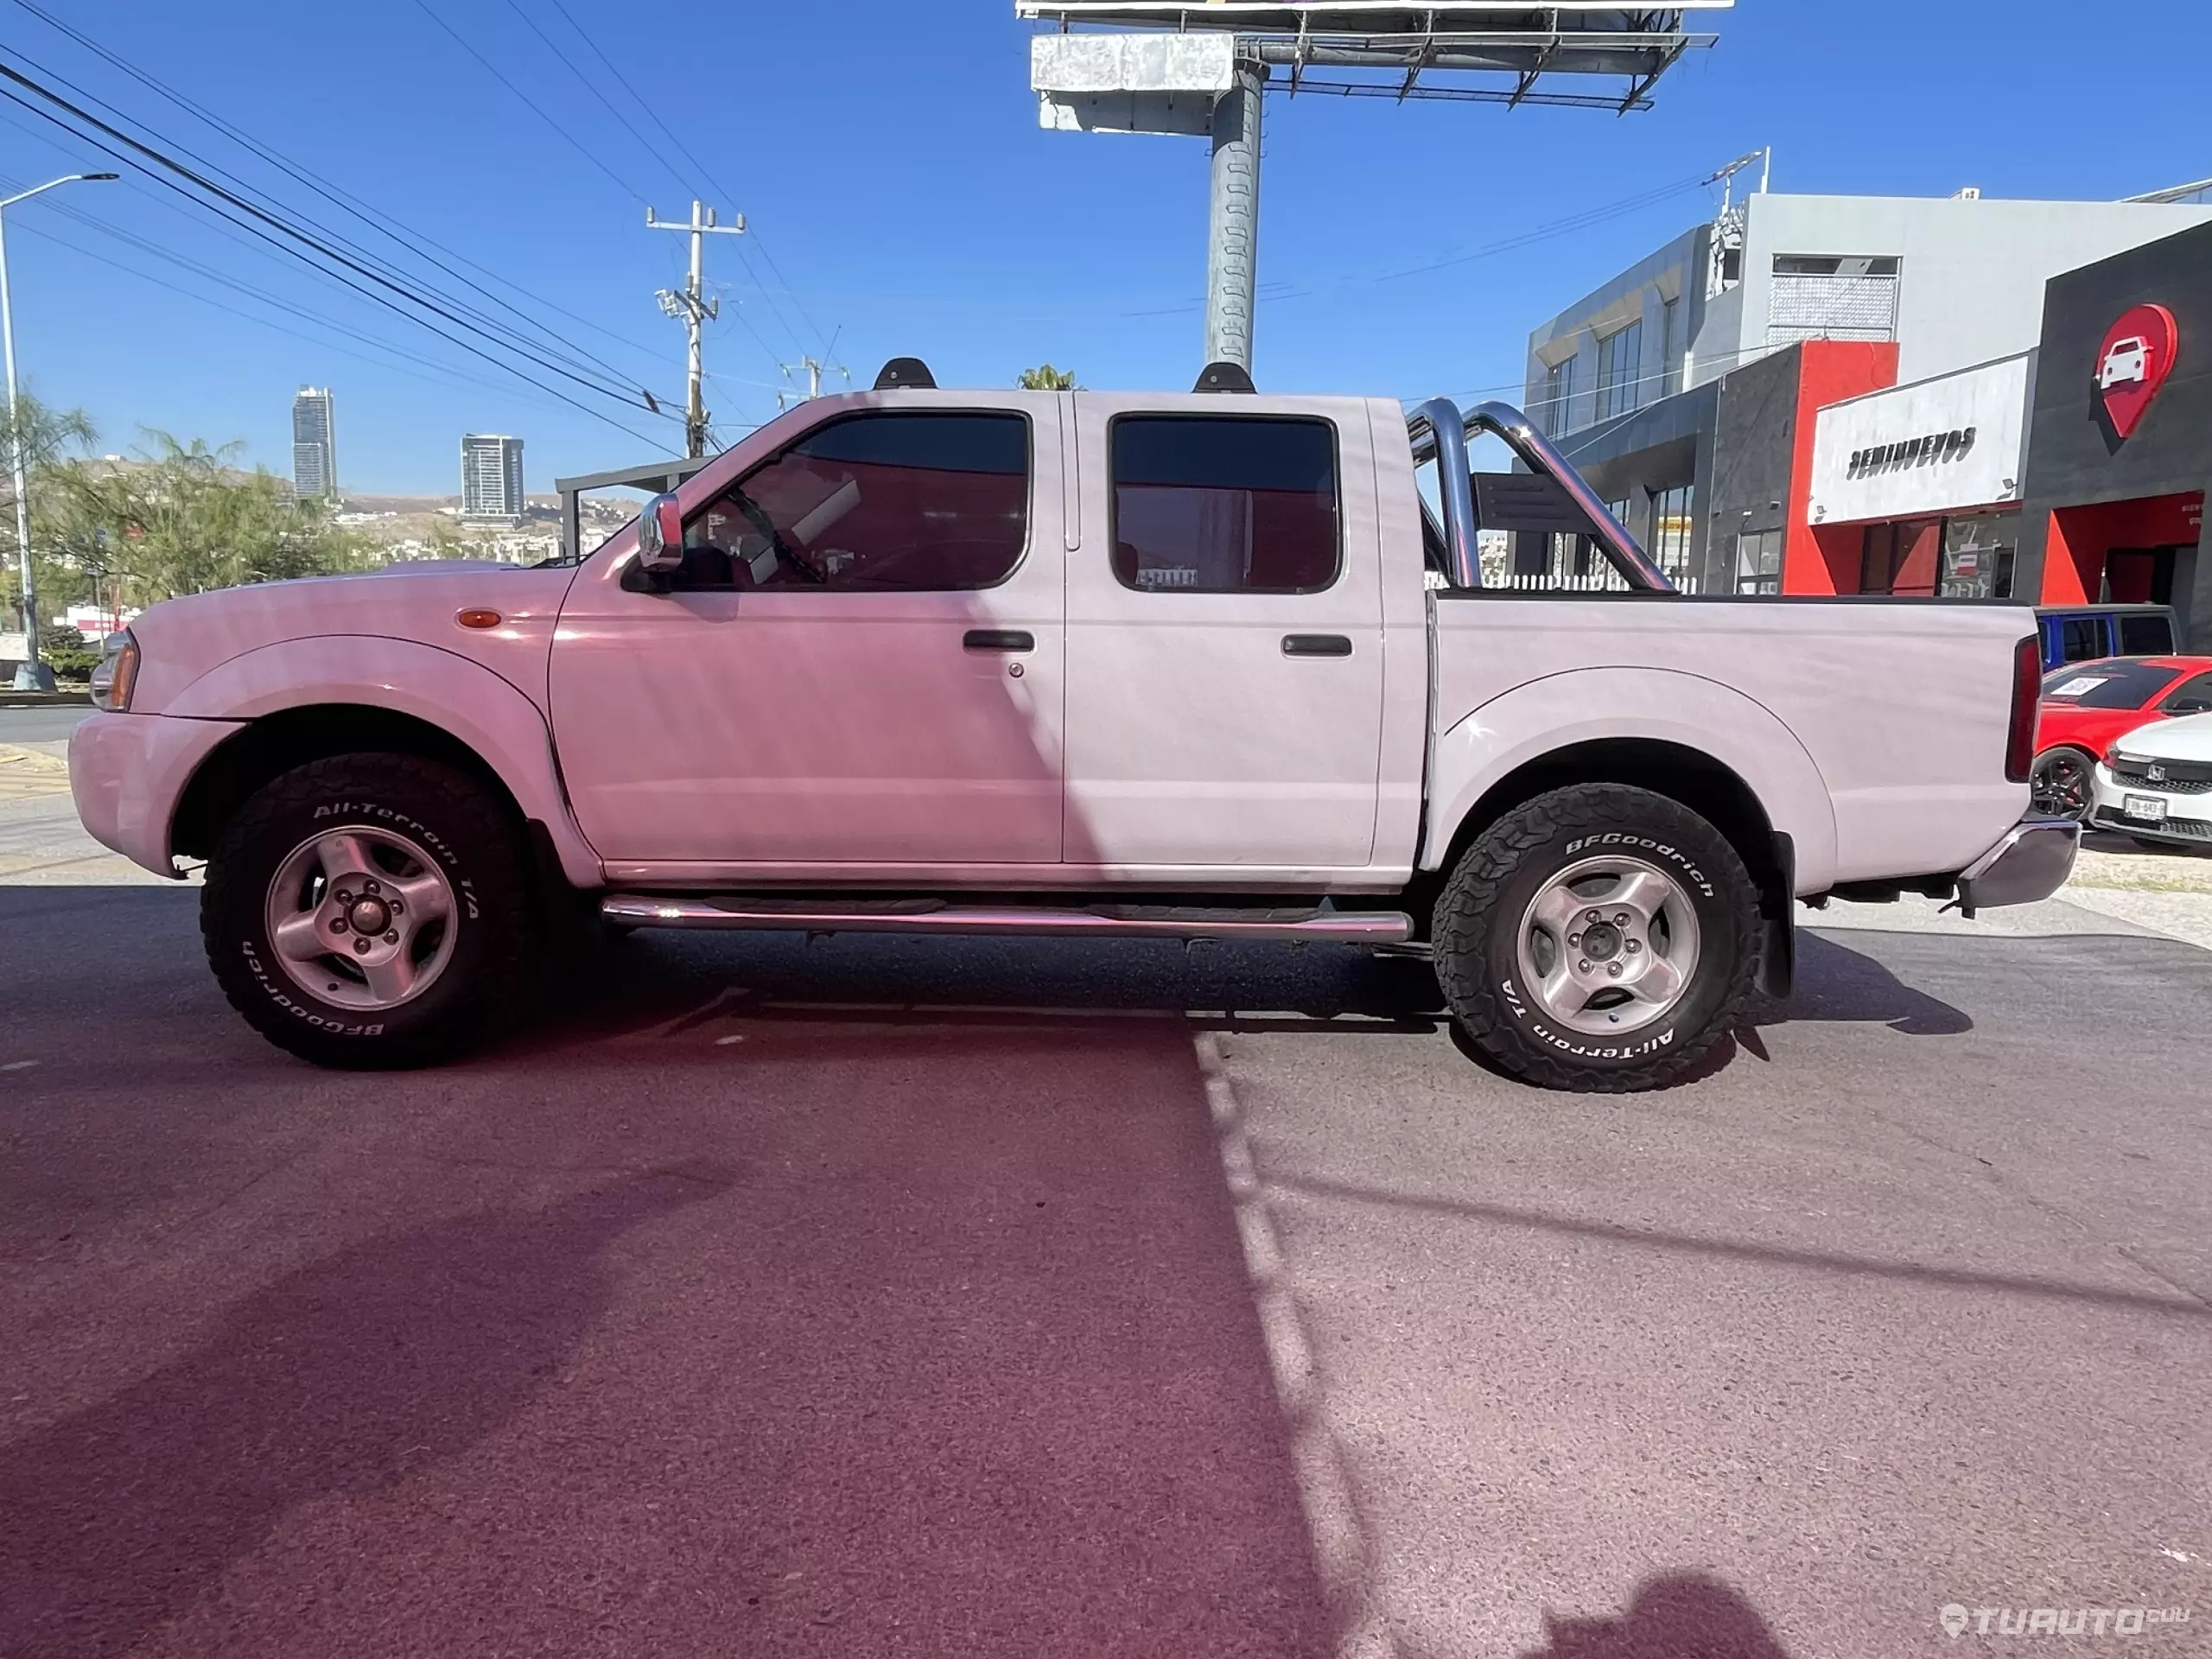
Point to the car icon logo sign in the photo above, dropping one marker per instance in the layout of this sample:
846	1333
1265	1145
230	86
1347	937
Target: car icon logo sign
2156	774
2132	364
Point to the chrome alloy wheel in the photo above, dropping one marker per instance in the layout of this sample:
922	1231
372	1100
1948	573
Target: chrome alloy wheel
361	917
1608	945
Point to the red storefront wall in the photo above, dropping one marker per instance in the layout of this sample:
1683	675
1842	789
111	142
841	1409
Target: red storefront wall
2081	539
1825	558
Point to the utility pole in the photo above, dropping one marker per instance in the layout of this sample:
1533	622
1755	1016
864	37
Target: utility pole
692	308
32	675
813	371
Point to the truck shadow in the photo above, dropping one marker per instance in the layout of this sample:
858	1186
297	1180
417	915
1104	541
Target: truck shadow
902	1339
1675	1616
339	1378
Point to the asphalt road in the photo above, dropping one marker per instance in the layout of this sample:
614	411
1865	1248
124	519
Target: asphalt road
907	1298
51	723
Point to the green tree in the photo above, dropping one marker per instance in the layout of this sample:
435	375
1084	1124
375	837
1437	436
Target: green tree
1045	377
182	519
48	435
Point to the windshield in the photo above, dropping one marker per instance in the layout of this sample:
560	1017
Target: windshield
2112	684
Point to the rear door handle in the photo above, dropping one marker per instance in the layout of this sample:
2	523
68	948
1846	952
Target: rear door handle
998	640
1316	645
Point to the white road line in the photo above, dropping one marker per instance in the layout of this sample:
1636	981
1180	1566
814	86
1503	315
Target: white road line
1332	1522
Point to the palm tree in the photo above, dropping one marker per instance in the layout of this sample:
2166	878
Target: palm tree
1045	377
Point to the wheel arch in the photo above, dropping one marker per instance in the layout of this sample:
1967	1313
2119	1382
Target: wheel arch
308	699
1706	745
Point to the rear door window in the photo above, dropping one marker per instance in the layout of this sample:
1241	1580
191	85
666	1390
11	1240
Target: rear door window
1207	504
2146	636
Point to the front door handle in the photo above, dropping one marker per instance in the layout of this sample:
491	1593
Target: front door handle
998	640
1316	645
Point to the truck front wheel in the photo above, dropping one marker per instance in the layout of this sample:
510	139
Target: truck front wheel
369	910
1600	938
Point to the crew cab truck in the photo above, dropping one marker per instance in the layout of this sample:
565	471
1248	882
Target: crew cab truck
1207	665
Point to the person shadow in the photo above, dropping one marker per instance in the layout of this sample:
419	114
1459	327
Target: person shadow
1675	1615
340	1378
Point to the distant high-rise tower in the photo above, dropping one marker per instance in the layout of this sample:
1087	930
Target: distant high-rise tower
491	478
315	444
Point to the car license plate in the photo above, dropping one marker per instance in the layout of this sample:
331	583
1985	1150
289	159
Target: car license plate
2144	809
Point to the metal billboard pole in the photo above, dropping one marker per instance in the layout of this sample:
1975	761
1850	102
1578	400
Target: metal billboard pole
1233	222
1201	69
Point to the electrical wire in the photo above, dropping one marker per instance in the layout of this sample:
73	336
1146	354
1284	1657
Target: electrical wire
701	171
382	222
226	196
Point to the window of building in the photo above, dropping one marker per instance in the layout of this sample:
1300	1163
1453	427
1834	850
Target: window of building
1829	296
1978	551
1670	348
890	502
1559	392
1758	562
1224	504
1620	369
1669	542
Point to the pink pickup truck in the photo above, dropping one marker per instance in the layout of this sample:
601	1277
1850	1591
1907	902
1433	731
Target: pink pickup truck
1207	665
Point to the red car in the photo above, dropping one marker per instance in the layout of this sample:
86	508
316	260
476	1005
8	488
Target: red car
2087	705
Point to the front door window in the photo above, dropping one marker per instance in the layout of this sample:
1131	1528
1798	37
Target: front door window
910	502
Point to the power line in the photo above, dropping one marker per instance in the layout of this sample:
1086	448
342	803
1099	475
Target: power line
439	374
395	283
209	273
382	222
320	246
714	185
493	69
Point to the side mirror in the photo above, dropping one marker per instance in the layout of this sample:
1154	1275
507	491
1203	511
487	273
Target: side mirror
660	536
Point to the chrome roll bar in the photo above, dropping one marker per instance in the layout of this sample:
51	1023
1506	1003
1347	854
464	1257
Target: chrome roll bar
1438	432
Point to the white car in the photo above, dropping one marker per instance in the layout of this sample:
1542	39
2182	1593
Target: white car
2156	783
2129	360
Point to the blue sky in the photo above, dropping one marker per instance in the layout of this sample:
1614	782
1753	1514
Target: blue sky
890	159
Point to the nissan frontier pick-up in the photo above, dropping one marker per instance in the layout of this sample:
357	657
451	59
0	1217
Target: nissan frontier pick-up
1090	664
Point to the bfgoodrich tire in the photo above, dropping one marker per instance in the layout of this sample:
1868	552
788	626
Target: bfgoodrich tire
369	910
1600	938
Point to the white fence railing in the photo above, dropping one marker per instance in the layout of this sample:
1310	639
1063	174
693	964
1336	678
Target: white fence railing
1605	581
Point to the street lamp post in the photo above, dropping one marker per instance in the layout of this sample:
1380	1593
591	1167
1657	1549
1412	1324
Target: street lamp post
32	675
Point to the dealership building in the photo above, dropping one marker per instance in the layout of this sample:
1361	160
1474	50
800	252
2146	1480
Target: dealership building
1824	395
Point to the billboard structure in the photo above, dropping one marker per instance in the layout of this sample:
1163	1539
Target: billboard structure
1201	69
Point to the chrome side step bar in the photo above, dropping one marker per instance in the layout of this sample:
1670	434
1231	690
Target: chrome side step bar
938	916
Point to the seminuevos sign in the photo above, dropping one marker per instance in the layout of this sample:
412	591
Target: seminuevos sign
1941	445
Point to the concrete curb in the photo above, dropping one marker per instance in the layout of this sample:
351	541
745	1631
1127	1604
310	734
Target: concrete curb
17	760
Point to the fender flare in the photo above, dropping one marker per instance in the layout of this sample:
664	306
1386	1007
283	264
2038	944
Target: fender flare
471	704
1542	717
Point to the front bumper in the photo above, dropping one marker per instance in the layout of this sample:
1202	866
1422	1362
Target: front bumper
2031	863
128	772
2188	813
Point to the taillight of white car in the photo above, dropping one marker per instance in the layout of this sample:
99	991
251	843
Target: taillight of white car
117	674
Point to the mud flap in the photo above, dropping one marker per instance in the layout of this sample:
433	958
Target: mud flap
1778	922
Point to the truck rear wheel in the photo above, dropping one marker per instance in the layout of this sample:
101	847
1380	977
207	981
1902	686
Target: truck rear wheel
368	910
1600	938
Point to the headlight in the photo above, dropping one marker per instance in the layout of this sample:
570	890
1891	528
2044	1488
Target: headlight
117	673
